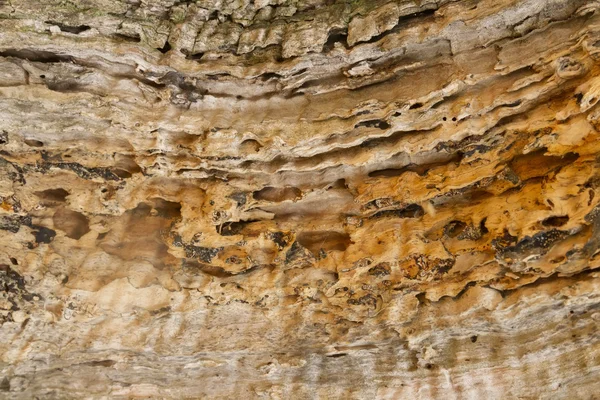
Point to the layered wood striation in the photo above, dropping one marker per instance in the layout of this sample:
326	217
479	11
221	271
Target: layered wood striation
300	199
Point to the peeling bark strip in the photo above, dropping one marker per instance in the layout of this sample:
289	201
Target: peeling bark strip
299	199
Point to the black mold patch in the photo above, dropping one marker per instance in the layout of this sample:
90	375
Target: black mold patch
281	239
90	173
12	284
43	234
294	252
540	242
205	254
80	170
375	123
443	266
381	269
504	241
12	223
297	253
368	300
593	215
239	198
